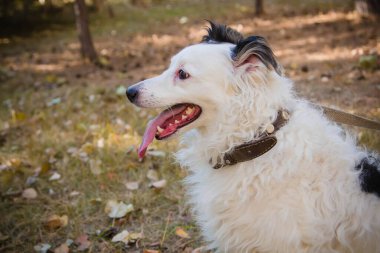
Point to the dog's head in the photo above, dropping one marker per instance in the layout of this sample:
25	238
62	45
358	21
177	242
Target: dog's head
202	80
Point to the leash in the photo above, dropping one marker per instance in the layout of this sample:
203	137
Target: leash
349	119
267	140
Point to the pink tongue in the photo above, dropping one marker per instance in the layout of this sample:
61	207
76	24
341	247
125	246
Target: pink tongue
151	129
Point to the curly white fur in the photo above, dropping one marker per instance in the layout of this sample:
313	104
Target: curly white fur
302	196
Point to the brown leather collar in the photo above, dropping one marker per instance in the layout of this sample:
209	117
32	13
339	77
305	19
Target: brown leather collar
253	149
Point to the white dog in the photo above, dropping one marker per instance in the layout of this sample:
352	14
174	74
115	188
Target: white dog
268	171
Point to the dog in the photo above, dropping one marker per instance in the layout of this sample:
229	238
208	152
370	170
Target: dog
306	188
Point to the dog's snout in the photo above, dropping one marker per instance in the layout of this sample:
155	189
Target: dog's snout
132	93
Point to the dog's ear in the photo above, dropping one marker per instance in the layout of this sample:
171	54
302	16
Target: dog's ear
252	51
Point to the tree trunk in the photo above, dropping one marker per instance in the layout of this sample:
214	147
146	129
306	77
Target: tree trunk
259	7
366	7
26	4
81	16
98	4
5	7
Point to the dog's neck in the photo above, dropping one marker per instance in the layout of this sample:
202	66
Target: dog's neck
243	119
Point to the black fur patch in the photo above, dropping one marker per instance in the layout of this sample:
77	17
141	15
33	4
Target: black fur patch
370	174
256	45
222	34
260	48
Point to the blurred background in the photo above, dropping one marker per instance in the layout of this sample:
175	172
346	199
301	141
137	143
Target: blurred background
70	178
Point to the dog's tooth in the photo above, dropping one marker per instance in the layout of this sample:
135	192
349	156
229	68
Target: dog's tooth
176	121
159	129
189	110
184	117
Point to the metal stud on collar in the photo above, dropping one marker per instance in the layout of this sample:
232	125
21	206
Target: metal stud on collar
270	129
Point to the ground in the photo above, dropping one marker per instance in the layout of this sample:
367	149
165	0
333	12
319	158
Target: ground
68	136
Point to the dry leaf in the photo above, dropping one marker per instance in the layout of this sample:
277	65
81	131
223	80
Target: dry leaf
55	176
63	248
18	116
152	175
135	236
29	193
15	162
42	247
116	209
181	233
132	185
55	221
83	242
100	143
74	193
123	236
159	184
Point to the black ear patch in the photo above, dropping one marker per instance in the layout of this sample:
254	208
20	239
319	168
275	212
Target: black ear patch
253	45
370	174
219	33
259	47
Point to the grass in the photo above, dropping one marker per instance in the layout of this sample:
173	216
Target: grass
60	114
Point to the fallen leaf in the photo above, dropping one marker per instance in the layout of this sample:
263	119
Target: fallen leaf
135	236
63	248
83	242
42	247
100	143
17	116
55	176
29	193
152	175
116	209
181	233
74	193
123	236
96	201
45	167
132	185
55	221
159	184
15	163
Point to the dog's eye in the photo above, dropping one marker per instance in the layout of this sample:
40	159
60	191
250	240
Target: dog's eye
182	74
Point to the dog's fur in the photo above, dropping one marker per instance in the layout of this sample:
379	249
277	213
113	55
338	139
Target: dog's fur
313	192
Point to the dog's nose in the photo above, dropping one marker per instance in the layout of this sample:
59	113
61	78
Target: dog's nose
132	93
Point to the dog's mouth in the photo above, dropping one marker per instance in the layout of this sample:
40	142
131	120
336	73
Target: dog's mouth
168	122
